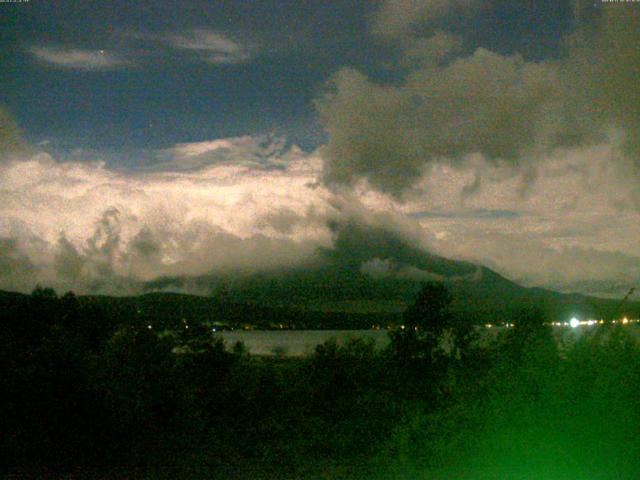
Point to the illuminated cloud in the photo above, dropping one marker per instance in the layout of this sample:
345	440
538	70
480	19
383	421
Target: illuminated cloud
578	221
80	225
257	152
210	46
249	204
76	58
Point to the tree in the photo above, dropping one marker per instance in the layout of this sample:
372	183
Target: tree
424	322
531	336
70	311
430	310
425	349
44	293
529	353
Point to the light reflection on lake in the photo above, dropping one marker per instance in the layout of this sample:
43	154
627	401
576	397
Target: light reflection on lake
297	342
304	342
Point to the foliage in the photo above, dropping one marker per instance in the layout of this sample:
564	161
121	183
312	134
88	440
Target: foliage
88	393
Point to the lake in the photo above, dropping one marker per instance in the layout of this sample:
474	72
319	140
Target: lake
297	342
304	342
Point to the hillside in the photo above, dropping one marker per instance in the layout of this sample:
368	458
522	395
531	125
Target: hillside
334	296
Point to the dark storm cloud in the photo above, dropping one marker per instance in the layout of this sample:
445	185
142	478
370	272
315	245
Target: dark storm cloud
603	69
504	107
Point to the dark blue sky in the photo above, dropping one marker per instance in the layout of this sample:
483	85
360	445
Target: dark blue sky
162	95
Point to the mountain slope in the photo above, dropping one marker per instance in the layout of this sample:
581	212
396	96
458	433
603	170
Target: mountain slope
369	276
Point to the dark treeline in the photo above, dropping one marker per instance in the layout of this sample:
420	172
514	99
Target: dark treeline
87	395
167	310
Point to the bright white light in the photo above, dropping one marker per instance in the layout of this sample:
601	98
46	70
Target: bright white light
574	322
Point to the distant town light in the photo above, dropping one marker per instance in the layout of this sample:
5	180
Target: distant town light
574	322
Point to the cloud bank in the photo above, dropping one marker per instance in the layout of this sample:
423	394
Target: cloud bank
80	225
528	167
247	204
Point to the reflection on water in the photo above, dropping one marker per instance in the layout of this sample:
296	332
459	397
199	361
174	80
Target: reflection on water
297	342
304	342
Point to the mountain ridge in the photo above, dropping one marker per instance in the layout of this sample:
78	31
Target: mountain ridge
338	293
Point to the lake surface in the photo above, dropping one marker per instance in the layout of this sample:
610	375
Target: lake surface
297	342
304	342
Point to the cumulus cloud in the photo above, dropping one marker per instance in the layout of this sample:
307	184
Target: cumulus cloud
210	46
77	58
80	225
83	226
504	108
262	152
575	224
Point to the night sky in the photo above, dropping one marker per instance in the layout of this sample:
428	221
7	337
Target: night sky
146	139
